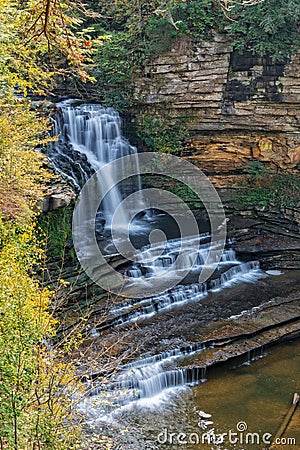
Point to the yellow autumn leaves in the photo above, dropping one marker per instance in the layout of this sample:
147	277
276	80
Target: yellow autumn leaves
21	167
38	387
39	39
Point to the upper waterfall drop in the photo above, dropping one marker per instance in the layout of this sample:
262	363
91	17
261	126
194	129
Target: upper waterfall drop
89	137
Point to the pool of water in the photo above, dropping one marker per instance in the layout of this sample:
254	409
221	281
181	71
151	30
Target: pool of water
240	406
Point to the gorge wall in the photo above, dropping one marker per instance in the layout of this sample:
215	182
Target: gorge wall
237	107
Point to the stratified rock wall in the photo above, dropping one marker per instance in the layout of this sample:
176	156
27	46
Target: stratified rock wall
238	107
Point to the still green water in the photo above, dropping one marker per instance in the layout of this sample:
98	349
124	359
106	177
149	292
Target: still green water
246	401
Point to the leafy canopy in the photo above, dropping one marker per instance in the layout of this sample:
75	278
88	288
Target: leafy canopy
37	386
269	28
39	39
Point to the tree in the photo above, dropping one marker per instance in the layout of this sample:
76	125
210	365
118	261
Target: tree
22	168
37	40
167	6
38	385
269	28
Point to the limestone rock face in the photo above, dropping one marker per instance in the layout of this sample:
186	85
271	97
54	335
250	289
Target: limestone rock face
223	155
238	107
59	194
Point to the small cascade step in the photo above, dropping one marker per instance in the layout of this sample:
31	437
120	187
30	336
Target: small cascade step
135	309
147	378
154	378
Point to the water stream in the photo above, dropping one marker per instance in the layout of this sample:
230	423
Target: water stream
89	138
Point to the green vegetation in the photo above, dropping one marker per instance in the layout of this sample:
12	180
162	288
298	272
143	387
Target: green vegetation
36	383
268	28
187	195
199	18
113	70
38	386
264	187
55	228
159	134
127	34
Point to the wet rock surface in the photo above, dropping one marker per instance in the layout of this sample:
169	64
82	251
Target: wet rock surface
269	233
58	194
242	318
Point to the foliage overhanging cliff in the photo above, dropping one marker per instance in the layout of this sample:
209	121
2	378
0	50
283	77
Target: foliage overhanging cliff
133	33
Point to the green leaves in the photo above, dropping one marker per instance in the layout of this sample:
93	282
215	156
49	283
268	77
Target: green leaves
269	28
115	57
160	134
23	322
199	17
37	386
34	381
264	187
56	226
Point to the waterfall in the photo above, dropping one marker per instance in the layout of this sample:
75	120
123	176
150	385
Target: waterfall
89	137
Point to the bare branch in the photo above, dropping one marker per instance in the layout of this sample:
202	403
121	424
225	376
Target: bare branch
228	5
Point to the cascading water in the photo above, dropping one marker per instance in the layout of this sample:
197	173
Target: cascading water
89	138
143	380
229	271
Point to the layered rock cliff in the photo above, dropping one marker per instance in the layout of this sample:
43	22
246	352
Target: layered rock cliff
238	107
